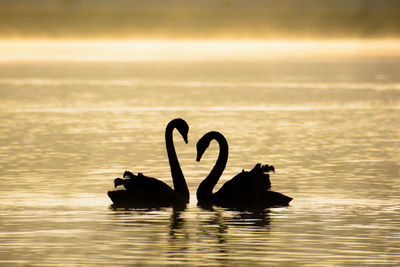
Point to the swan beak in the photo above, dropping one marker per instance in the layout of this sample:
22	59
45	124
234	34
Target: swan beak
198	158
185	138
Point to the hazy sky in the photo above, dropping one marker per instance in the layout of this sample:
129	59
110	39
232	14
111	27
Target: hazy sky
199	19
207	4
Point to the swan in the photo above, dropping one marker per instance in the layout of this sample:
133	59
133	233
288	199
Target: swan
144	191
247	189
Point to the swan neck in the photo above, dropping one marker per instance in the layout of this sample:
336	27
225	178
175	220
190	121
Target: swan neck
204	192
178	179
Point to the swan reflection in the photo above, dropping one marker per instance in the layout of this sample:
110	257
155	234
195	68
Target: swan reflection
172	232
176	222
208	219
228	217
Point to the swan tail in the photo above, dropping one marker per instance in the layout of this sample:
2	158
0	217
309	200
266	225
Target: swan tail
277	199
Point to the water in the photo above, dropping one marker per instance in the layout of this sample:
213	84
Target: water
330	127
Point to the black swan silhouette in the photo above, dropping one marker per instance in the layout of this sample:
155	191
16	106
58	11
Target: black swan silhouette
144	191
245	190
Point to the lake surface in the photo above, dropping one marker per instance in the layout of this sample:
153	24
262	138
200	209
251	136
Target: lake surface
331	128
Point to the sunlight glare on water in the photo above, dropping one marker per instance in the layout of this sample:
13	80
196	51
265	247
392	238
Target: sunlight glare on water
330	128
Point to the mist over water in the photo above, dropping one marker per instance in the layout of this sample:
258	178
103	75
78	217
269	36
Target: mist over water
330	127
199	19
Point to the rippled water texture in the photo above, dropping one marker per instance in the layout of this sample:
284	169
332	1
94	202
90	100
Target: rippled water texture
330	127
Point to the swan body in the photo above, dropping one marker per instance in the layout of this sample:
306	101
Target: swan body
248	189
144	191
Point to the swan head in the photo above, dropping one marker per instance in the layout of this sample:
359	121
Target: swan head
118	181
182	127
201	147
205	141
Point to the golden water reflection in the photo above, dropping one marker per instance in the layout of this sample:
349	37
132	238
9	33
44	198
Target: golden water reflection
331	129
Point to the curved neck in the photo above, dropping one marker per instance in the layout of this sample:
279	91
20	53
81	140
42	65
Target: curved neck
178	179
204	192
